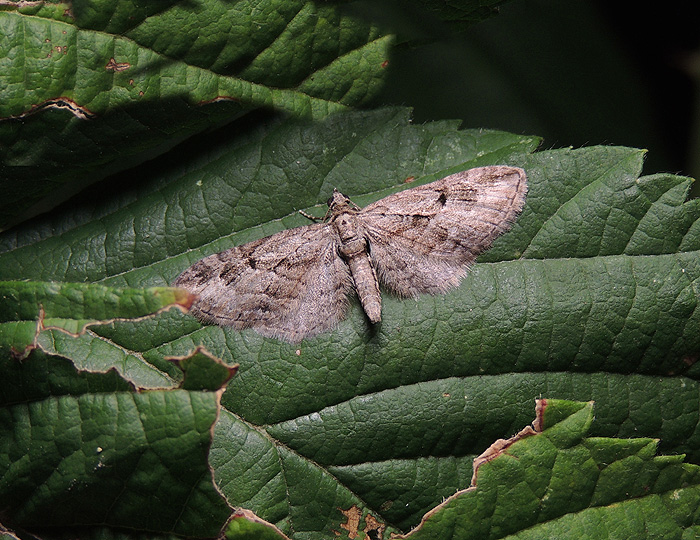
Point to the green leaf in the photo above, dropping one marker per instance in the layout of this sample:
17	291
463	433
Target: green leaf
113	83
562	484
87	449
591	296
203	371
247	526
552	482
23	300
59	318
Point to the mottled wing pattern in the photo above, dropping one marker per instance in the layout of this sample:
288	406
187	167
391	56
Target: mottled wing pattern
290	285
423	239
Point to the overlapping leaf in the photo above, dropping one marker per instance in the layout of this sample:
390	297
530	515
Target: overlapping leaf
92	447
112	83
561	484
59	318
554	481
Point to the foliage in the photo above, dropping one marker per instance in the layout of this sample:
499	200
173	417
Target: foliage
117	412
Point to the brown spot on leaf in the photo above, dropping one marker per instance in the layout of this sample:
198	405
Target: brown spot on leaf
183	298
58	103
386	505
374	529
113	65
352	524
218	99
690	360
540	406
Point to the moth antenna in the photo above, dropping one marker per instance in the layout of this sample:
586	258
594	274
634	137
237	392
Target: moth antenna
354	206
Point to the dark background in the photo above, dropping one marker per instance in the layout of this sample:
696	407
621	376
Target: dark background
577	73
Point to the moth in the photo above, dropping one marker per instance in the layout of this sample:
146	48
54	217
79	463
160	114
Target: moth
296	283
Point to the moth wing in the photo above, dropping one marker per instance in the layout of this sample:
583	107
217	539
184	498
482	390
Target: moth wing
290	285
422	240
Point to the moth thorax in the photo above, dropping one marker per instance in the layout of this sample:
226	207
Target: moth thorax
346	225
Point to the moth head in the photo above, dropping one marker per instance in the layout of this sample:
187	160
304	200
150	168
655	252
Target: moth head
338	201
